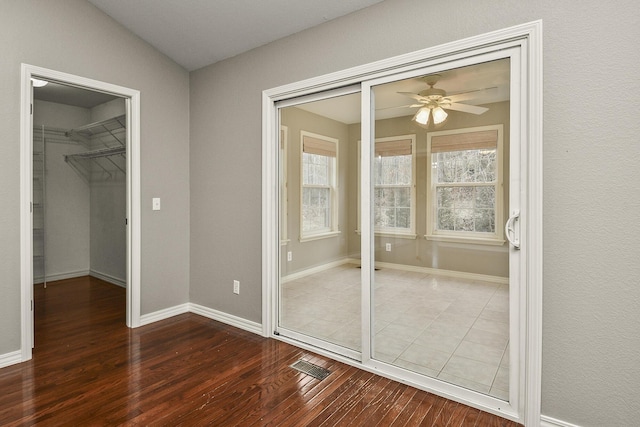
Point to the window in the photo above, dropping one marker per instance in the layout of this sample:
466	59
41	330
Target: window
318	193
464	198
394	185
284	198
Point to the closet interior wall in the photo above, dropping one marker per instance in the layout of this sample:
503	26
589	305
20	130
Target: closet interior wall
83	230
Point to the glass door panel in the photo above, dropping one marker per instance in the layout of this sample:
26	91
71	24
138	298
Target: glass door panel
319	292
440	176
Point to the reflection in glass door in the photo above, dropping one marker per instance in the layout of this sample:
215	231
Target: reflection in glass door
440	295
447	149
319	292
440	196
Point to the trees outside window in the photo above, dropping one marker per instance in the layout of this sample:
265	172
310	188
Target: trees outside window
464	198
318	192
394	185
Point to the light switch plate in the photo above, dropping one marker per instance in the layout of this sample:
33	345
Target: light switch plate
156	203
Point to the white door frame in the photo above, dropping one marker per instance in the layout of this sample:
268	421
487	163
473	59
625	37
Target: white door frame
132	98
528	39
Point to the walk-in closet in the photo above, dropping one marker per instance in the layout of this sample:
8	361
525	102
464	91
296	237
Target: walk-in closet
79	185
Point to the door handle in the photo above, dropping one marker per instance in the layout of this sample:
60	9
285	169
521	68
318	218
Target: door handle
510	231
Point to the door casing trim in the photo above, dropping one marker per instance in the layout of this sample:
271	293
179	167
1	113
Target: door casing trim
528	37
133	219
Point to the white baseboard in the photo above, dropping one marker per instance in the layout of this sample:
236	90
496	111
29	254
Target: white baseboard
61	276
404	267
317	269
11	358
163	314
201	310
109	278
226	318
553	422
80	273
446	273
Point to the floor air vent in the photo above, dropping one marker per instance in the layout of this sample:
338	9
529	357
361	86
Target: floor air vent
315	371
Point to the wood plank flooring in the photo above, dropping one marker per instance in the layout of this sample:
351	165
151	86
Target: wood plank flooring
88	368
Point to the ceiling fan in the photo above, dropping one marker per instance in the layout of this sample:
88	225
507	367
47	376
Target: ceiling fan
434	101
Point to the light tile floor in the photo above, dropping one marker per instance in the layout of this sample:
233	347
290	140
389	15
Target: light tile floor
455	330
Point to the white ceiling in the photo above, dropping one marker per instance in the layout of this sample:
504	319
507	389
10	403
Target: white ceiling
196	33
69	95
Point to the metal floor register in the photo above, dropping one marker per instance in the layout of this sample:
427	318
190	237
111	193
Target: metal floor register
308	368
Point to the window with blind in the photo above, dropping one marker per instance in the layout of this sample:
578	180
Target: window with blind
394	185
318	190
464	198
284	198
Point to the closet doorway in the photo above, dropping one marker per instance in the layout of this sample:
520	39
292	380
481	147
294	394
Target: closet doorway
80	187
79	184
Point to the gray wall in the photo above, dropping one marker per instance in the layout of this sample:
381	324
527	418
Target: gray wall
67	195
108	239
108	242
73	36
591	153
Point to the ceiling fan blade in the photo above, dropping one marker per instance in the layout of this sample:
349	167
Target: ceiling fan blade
400	106
414	96
465	108
464	96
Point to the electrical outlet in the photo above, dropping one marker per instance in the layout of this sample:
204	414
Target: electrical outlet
236	287
388	247
289	256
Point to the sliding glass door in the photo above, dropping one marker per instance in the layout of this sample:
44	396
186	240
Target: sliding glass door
440	294
320	282
400	236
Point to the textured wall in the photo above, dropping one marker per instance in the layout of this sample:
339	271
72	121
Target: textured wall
73	36
591	153
108	207
67	195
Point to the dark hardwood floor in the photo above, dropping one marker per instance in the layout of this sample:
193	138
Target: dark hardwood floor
88	368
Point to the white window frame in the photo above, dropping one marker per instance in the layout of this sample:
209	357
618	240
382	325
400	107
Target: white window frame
332	230
409	233
284	195
496	238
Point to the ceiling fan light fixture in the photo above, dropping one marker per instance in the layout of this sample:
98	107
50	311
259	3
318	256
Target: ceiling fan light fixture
38	83
422	116
439	115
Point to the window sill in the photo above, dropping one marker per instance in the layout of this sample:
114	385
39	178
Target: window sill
470	240
319	236
397	235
